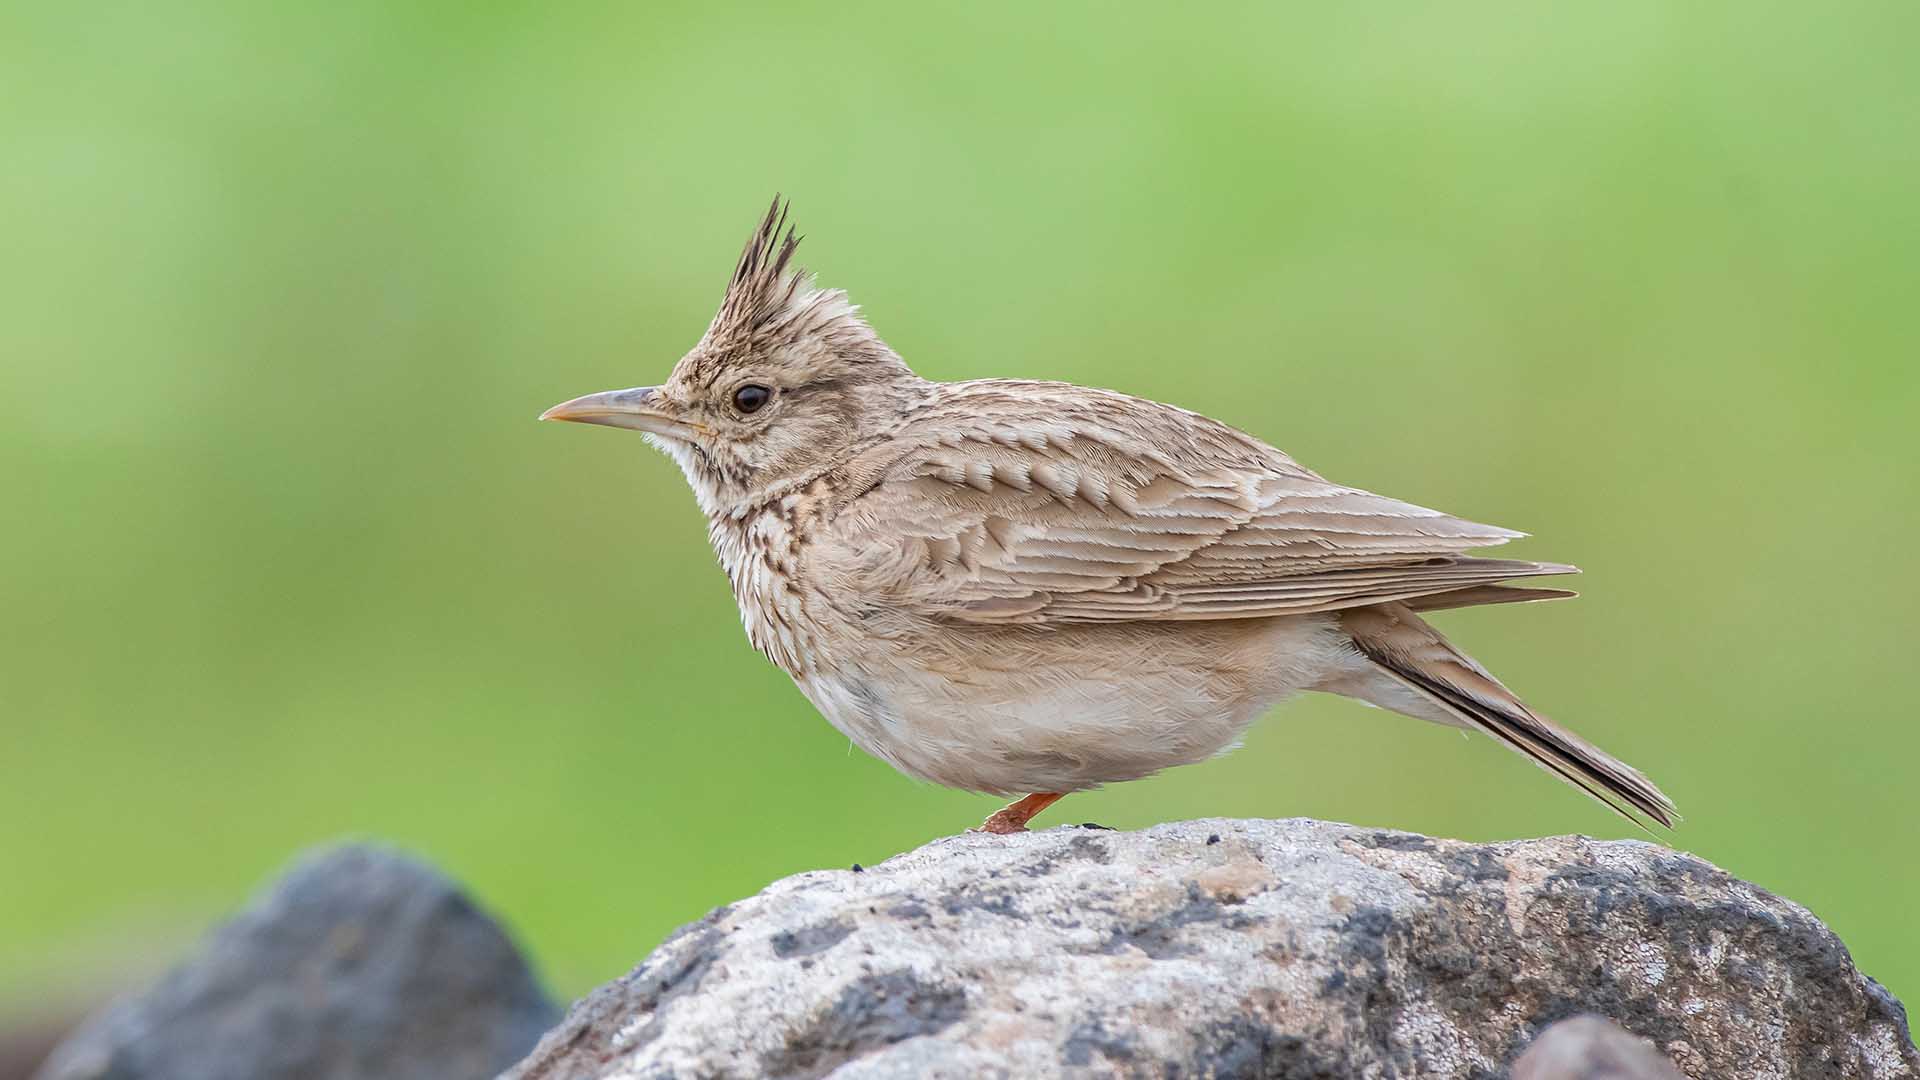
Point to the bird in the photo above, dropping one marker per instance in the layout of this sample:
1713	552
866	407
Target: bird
1028	588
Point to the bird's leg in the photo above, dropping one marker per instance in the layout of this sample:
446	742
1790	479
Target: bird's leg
1013	818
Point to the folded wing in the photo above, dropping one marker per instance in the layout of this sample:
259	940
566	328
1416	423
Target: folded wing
1085	518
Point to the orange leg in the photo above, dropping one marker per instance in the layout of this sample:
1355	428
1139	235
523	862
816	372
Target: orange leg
1014	818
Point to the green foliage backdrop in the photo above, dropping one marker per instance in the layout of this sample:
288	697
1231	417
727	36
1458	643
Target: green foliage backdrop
283	286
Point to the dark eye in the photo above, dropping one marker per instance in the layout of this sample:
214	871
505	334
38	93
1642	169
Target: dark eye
751	397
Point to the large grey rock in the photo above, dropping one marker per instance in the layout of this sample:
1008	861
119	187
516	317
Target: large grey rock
359	963
1236	948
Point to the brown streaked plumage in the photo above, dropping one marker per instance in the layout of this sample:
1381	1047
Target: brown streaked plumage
1029	587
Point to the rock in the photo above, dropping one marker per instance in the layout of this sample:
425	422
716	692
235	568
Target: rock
358	963
1592	1048
25	1043
1230	949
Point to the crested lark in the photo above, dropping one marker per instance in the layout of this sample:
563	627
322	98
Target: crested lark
1037	588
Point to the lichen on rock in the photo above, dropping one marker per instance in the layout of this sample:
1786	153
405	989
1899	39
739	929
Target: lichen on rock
1236	948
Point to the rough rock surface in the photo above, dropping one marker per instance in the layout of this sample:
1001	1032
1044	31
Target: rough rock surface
1236	948
358	963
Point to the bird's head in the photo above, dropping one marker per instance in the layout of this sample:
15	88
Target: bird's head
787	378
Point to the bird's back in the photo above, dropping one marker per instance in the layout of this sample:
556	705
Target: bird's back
1006	501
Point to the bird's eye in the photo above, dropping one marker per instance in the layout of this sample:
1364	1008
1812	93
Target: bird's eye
752	397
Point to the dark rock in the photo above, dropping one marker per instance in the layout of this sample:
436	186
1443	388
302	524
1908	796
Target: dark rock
358	963
873	1011
811	939
1285	949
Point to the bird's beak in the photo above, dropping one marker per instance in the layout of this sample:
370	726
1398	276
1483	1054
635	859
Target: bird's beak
639	409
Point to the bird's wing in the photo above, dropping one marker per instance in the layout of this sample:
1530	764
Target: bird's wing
988	517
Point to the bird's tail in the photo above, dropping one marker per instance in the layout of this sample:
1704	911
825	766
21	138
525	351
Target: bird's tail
1448	686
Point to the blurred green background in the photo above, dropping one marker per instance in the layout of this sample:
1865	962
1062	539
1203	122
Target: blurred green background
283	286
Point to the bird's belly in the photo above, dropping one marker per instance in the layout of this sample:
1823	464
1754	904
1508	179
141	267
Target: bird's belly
1065	711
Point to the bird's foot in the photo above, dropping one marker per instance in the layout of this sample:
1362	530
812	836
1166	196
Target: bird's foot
1013	818
1003	822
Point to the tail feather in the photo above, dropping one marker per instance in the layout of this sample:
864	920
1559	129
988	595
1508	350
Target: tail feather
1414	654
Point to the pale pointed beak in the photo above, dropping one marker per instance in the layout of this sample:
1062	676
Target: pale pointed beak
638	409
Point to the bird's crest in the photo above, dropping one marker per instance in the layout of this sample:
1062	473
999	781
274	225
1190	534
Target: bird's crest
770	298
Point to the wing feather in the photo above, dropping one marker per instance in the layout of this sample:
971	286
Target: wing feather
1119	509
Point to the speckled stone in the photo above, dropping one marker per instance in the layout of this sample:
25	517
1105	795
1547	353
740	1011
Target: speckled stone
1236	948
